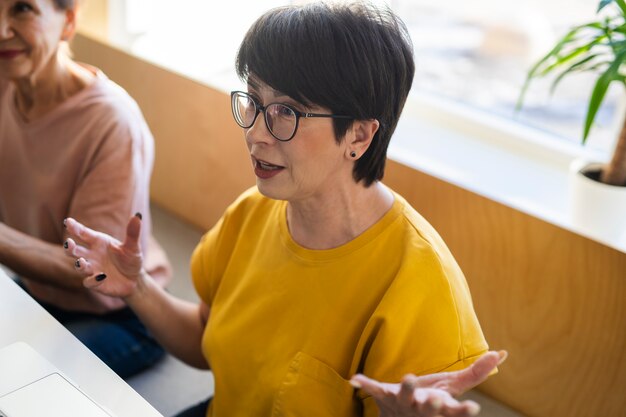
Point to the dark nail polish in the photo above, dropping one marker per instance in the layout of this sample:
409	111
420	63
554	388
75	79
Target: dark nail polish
65	223
66	245
139	215
77	263
100	277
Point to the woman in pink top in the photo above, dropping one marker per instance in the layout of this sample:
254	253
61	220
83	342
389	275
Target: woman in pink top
72	143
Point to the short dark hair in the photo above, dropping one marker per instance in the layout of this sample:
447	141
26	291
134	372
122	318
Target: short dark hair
64	4
354	59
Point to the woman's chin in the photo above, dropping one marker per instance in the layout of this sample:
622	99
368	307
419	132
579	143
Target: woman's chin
270	190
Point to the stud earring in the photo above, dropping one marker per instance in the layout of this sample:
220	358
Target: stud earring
353	154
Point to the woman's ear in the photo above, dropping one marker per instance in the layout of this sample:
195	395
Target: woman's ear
362	134
70	23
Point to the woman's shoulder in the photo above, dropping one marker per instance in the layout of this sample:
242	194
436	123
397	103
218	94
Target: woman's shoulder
418	234
414	221
105	101
106	108
107	94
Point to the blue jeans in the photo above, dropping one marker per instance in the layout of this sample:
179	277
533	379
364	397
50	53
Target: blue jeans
119	339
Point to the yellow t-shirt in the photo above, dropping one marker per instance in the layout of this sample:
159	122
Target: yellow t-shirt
289	326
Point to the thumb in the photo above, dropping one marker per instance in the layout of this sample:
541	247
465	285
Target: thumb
458	382
368	385
133	231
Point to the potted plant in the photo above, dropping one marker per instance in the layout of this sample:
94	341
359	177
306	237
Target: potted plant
598	46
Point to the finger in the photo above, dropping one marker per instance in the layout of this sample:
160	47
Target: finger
94	280
368	385
478	372
67	247
83	266
463	409
428	404
458	382
79	232
133	232
73	250
407	390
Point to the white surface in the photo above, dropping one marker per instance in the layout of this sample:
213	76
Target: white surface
51	396
21	365
22	319
519	167
598	207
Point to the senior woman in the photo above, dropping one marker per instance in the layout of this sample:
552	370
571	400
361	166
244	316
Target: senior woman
320	274
72	143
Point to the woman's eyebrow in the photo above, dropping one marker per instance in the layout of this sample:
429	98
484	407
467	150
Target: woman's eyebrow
252	86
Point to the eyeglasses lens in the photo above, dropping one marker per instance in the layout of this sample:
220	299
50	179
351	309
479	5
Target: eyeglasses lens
245	110
281	121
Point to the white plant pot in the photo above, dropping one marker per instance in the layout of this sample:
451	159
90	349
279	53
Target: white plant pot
597	209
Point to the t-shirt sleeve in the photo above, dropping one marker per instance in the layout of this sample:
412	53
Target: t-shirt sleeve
213	254
203	263
115	183
424	324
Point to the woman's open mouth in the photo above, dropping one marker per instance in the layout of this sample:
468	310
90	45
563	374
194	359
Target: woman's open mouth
265	170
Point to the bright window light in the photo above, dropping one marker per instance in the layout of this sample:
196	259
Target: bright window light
472	52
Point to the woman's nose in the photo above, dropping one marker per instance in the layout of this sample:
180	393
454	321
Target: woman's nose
6	31
258	132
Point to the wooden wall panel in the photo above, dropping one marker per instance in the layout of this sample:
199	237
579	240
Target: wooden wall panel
202	163
555	300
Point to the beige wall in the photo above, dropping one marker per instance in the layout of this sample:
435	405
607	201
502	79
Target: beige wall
555	300
94	18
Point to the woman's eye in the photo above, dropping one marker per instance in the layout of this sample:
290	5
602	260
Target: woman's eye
285	111
22	7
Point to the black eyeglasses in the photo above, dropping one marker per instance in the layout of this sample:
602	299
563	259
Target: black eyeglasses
281	120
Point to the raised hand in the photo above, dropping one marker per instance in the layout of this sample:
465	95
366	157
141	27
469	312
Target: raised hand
110	266
430	395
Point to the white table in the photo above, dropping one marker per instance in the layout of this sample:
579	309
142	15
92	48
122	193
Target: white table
23	319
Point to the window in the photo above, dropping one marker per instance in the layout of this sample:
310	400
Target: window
472	52
478	53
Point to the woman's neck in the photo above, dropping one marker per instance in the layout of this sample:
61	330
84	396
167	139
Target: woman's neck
44	91
330	223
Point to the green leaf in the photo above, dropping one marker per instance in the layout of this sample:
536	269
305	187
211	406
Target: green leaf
599	91
603	4
571	55
577	44
553	53
620	3
620	28
535	70
599	65
577	66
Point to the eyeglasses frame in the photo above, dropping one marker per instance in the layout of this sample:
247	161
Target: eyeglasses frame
259	108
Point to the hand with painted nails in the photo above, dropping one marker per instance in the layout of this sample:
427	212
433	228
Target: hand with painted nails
431	395
110	267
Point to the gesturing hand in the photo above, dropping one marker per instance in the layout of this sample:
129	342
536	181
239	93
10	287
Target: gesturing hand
430	395
110	266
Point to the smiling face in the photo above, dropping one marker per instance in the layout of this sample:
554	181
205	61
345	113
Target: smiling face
311	165
30	34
